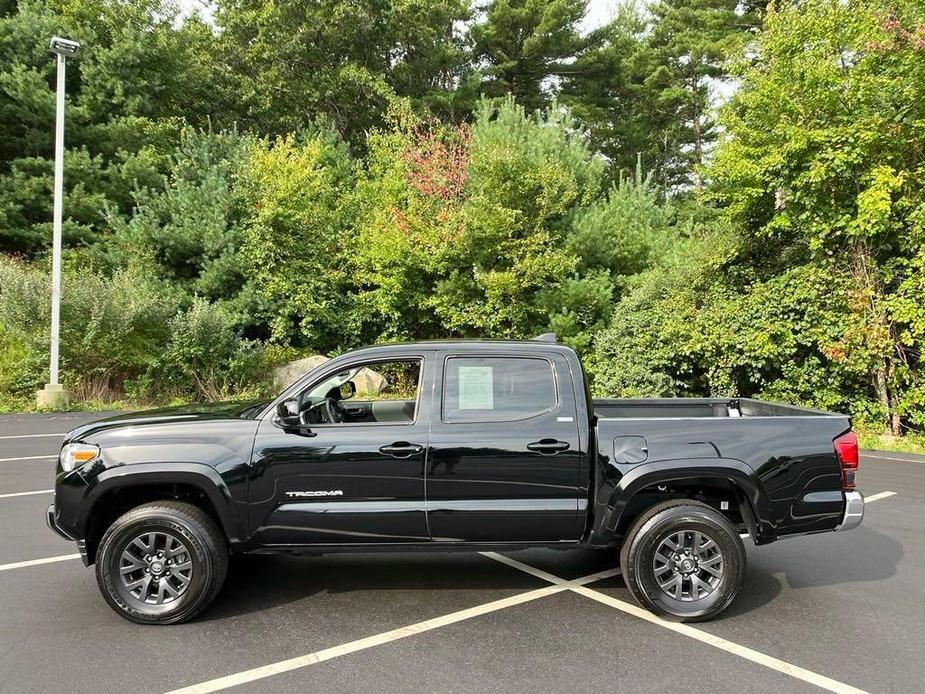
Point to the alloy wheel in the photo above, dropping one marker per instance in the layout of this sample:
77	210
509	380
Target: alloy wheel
688	565
155	568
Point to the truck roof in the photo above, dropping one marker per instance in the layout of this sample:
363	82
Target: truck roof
545	343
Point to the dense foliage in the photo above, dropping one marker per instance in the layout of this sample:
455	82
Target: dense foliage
309	176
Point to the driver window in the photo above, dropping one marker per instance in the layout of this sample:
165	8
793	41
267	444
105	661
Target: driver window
372	393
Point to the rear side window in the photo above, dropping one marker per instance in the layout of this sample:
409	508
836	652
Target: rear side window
497	389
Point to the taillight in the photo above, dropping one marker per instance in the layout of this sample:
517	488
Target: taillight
846	448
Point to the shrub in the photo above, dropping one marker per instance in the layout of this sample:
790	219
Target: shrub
110	327
205	357
696	326
293	244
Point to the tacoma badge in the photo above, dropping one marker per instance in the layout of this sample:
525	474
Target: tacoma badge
332	492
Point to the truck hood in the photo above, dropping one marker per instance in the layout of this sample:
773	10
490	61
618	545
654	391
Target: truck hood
170	415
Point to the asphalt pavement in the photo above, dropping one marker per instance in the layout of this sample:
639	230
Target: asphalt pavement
842	611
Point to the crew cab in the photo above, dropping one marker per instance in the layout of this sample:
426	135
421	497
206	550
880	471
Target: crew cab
453	445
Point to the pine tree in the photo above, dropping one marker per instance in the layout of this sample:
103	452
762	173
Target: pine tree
608	93
523	46
294	64
691	40
143	72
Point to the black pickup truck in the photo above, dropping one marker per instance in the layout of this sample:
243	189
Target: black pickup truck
456	445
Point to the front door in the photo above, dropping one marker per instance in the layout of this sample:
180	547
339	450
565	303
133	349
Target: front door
505	451
355	473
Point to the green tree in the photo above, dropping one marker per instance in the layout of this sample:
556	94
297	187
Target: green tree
822	166
527	178
143	73
295	242
645	84
609	92
691	41
408	222
522	46
294	64
503	230
702	322
189	230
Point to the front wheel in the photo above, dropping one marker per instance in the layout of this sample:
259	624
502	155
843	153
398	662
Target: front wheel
161	563
682	559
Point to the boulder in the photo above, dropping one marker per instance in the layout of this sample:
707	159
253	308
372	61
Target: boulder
287	374
368	382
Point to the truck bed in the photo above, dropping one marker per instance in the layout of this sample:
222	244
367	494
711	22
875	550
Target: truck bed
782	454
683	408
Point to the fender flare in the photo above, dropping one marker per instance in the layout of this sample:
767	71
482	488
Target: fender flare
740	475
198	475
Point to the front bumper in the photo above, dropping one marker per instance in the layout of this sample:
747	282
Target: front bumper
53	524
854	511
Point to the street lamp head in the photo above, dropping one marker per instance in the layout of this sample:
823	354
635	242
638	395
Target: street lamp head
65	47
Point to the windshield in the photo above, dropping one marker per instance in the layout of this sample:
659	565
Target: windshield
335	381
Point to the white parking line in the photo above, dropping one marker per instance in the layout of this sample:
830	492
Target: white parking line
717	642
886	457
558	585
30	436
28	457
878	496
36	562
377	640
40	491
533	571
689	631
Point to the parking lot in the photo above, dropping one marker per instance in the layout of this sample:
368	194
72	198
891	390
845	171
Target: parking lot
843	612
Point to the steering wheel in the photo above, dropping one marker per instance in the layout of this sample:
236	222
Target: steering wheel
330	410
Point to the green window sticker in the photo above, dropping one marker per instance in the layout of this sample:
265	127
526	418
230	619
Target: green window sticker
476	391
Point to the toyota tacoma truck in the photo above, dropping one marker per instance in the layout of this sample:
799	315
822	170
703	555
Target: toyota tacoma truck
452	445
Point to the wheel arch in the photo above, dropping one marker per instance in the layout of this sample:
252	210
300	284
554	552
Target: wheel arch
119	489
709	480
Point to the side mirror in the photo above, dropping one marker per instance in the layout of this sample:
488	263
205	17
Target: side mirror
347	390
287	412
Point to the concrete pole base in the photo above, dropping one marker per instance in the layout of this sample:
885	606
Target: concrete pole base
52	397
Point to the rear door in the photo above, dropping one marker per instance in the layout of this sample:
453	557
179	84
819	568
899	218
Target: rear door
505	450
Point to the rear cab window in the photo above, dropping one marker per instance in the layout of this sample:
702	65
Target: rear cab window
497	388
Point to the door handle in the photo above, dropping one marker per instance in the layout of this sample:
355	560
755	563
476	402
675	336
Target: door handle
401	449
548	446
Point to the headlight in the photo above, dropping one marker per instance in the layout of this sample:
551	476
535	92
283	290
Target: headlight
74	455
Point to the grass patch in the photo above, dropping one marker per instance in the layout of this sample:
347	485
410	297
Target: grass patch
10	404
911	443
20	404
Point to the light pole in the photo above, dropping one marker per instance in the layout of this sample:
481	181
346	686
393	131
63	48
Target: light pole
54	395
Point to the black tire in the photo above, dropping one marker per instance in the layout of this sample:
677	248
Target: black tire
645	550
203	558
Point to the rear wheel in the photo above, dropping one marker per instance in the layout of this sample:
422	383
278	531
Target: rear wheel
682	559
161	563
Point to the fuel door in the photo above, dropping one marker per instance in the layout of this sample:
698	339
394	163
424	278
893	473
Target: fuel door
630	450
